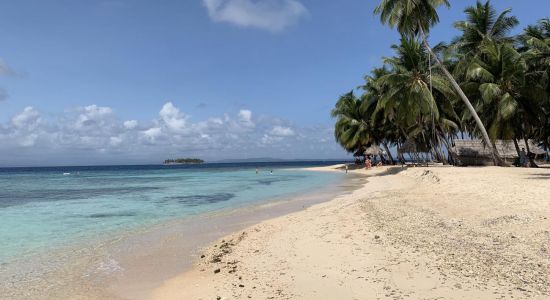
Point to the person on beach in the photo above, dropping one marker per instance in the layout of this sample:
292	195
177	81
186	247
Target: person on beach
257	171
368	162
346	168
523	158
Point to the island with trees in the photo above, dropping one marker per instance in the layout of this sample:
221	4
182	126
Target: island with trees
179	161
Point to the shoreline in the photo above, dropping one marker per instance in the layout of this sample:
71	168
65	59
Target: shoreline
165	251
455	233
130	264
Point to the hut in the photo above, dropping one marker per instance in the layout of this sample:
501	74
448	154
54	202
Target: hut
475	153
373	150
416	151
409	146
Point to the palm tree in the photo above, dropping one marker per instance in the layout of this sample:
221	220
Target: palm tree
414	98
416	17
352	129
497	72
384	133
536	47
482	23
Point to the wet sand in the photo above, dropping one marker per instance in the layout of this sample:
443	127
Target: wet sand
150	258
133	264
416	233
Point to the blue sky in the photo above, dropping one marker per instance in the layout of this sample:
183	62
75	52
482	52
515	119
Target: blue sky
121	81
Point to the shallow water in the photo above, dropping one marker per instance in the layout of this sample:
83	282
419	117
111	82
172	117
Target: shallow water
58	225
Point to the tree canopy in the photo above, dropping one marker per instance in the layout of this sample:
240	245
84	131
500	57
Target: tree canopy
484	83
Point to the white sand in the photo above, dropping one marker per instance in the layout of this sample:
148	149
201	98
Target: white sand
436	233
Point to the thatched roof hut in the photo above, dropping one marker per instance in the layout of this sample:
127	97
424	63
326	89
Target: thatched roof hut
373	150
474	152
412	146
409	146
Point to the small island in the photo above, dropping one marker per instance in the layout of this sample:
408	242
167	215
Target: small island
179	161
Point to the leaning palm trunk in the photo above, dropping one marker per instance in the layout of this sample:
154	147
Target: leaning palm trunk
532	163
389	153
516	145
497	160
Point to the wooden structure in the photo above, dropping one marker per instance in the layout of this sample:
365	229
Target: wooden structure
475	153
373	150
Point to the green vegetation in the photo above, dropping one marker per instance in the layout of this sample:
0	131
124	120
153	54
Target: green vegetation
484	83
183	161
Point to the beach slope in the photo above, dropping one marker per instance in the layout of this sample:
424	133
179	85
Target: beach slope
416	233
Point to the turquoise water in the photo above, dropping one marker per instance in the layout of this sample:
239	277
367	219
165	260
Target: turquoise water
41	209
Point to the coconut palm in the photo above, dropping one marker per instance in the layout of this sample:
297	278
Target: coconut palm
498	73
352	129
383	132
536	47
415	98
415	18
482	23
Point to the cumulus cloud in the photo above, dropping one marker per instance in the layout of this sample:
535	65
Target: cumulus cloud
130	124
152	134
92	134
93	115
272	15
245	117
282	131
173	118
28	118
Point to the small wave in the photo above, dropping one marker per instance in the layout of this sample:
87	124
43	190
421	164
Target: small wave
196	200
109	266
110	215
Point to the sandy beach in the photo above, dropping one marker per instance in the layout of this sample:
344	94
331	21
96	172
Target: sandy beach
408	233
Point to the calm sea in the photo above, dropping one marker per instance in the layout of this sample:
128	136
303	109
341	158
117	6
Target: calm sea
45	208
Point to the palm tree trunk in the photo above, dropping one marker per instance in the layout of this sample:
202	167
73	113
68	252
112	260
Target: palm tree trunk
389	153
532	163
517	147
440	149
497	160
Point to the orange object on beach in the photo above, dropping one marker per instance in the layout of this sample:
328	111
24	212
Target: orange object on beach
368	163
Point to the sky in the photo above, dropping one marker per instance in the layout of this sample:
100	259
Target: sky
132	81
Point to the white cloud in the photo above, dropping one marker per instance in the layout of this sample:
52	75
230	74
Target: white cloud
268	139
272	15
115	141
27	118
281	131
153	133
93	115
94	133
172	117
245	117
130	124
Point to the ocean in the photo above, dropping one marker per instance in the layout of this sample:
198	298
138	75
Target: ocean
49	208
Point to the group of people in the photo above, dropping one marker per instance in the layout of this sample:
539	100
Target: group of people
368	162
